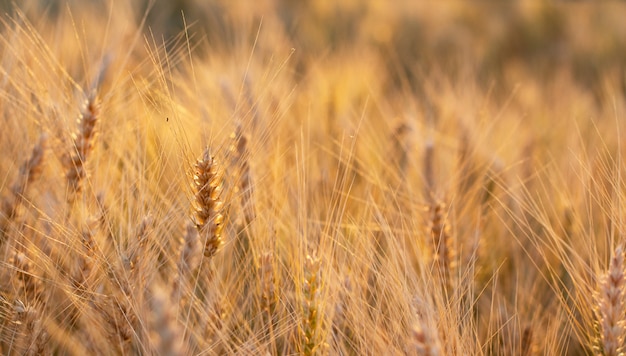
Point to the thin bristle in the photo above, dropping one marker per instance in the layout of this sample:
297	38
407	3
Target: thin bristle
312	178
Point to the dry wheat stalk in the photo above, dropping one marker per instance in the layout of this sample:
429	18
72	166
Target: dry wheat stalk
208	204
611	306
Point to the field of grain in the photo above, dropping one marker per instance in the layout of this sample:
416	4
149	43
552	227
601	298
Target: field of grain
312	177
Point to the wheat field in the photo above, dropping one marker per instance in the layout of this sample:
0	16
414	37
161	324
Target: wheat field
314	178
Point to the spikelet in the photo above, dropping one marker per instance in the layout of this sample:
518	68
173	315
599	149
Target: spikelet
83	141
610	301
208	204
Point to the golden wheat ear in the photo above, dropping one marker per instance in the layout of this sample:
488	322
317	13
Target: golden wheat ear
423	342
31	335
443	246
83	141
164	334
28	172
610	307
239	152
312	332
209	207
187	261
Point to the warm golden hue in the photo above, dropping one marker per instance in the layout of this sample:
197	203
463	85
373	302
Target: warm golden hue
316	177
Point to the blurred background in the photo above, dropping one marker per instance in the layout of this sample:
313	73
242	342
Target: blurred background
498	43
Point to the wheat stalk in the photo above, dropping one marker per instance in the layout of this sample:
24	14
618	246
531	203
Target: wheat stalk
312	317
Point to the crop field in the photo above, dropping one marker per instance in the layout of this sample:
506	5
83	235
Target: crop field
281	177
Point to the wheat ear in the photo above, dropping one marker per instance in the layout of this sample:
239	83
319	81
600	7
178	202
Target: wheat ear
311	328
442	244
208	203
239	153
83	141
29	170
611	305
424	342
164	333
188	260
33	337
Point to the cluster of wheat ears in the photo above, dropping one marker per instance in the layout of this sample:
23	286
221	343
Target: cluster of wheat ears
178	195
